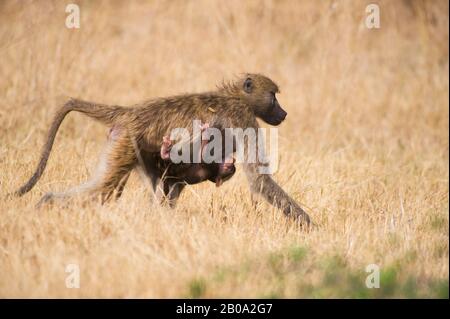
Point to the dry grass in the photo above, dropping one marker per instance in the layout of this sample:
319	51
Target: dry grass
364	149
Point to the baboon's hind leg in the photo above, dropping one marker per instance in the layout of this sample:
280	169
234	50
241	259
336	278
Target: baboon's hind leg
119	189
121	185
112	173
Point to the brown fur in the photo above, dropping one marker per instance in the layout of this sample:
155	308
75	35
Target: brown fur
137	133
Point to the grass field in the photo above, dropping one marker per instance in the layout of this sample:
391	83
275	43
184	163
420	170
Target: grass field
364	149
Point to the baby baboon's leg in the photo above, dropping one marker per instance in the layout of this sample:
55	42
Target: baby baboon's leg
112	172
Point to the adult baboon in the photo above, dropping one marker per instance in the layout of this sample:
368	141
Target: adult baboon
137	133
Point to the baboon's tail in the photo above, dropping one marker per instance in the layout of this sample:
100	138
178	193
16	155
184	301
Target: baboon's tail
105	114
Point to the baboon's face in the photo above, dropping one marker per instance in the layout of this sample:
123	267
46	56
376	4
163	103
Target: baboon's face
275	113
260	92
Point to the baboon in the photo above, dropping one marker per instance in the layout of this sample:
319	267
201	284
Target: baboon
137	133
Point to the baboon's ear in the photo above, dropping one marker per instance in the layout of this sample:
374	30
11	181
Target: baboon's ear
248	85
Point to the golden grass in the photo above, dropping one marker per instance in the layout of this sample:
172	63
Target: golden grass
364	149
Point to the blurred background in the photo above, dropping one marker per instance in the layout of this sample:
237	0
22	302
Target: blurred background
364	147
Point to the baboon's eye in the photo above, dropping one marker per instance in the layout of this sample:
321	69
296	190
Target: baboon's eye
248	85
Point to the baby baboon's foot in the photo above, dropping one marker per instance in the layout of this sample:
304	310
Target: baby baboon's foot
165	148
204	127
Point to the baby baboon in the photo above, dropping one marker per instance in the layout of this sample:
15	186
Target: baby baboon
197	172
136	135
